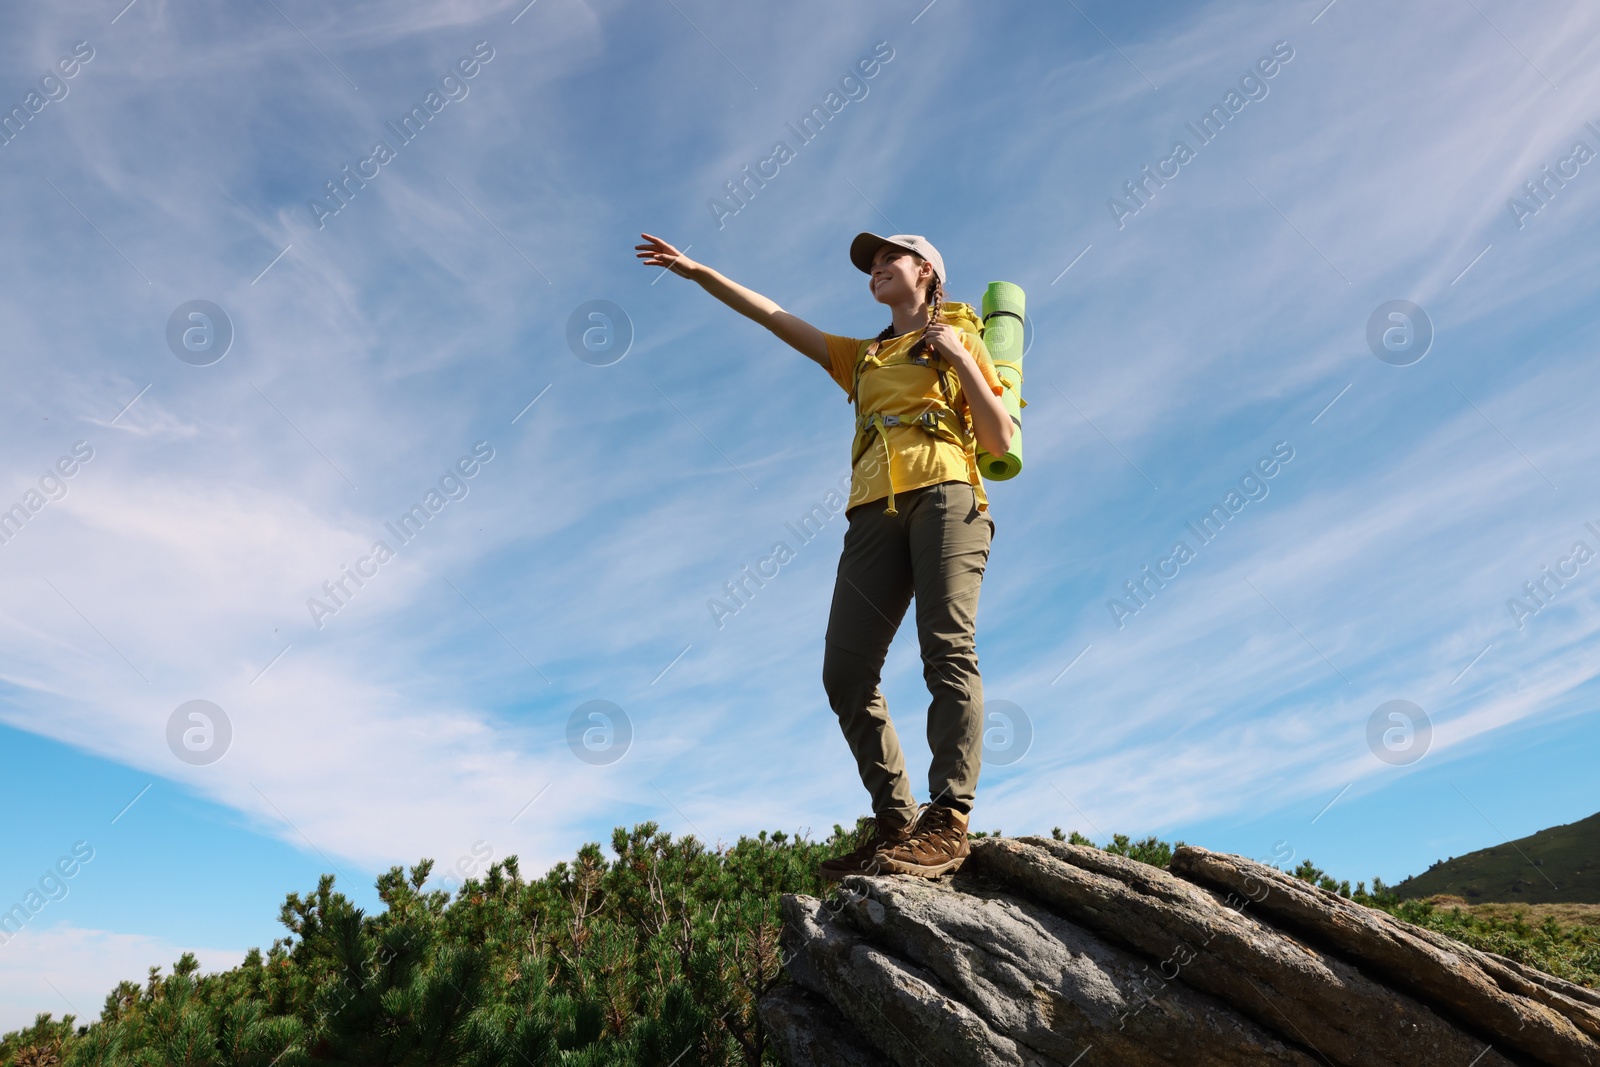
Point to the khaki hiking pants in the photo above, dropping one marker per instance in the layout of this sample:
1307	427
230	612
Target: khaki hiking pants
935	547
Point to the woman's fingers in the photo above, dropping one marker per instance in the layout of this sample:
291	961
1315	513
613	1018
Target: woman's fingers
657	244
658	253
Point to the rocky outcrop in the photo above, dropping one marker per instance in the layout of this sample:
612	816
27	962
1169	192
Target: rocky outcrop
1552	1020
1041	953
805	1028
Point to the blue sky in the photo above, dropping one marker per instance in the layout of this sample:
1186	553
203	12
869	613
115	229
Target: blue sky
1173	348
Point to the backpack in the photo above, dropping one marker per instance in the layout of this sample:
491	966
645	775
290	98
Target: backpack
940	419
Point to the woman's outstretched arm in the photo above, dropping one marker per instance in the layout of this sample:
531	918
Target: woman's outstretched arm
794	331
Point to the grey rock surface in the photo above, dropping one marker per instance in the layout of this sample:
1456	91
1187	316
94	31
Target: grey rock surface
1217	944
1471	986
804	1028
895	1005
1042	953
1049	984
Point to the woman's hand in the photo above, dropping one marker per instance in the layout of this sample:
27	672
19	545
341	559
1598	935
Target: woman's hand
991	424
658	253
946	340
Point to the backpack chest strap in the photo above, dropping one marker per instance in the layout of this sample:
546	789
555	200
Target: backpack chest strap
937	422
941	422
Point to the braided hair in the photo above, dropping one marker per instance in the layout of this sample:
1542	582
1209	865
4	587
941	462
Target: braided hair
935	297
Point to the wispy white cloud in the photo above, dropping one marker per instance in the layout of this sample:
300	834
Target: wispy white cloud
69	970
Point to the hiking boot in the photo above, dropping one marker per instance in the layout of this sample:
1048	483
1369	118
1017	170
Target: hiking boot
873	836
938	845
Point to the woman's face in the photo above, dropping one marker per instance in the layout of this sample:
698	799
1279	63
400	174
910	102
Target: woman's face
898	275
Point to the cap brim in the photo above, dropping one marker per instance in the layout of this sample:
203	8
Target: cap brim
863	248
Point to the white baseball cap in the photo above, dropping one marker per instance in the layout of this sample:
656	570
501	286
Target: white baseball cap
866	245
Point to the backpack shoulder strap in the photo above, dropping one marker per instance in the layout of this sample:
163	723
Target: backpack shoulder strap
870	352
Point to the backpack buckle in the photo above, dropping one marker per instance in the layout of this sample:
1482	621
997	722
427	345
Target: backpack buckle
930	420
891	420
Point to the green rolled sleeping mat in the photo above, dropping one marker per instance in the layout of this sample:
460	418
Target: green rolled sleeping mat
1003	309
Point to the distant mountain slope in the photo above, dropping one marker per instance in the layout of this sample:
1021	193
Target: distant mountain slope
1557	865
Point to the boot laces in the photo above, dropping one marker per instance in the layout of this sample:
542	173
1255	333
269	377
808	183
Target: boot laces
938	826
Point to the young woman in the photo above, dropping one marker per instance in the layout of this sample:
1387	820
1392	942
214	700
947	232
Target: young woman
927	397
